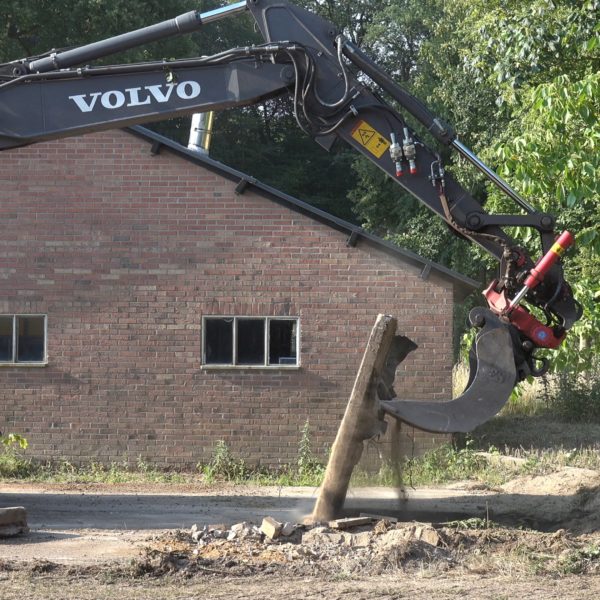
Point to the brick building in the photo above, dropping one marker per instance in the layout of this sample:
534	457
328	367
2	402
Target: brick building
153	302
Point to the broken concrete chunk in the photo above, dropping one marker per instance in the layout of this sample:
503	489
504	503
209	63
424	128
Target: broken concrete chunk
271	528
421	532
241	530
350	522
427	534
379	517
219	534
319	536
288	529
197	535
13	521
360	540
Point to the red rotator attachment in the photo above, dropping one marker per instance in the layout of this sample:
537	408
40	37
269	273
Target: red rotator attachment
537	274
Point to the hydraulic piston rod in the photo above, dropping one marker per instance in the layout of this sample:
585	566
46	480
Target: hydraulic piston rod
491	175
224	11
185	23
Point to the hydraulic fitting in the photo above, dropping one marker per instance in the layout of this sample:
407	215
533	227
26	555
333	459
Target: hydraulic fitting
396	154
410	152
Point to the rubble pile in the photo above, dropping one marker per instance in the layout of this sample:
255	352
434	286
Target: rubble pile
361	545
366	546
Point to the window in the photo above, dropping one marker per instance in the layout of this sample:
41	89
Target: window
22	339
250	341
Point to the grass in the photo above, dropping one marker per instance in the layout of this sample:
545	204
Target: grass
16	467
222	467
442	465
536	426
308	470
19	468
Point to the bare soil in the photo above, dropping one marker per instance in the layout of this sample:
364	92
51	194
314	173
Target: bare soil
533	538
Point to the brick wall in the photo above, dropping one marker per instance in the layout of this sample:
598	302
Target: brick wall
125	252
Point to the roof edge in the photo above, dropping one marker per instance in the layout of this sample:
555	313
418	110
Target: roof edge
465	284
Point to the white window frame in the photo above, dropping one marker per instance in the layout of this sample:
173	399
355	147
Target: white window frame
267	320
15	362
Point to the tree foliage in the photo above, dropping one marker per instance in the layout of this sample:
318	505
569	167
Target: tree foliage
519	80
543	57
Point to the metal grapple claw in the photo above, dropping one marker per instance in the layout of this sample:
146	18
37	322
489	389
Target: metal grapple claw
495	364
492	379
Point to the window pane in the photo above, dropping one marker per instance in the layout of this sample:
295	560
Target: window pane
283	342
30	341
218	341
250	341
6	339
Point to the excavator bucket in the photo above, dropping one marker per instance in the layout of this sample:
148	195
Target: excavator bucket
492	379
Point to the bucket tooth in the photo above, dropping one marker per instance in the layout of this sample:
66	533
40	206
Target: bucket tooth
488	389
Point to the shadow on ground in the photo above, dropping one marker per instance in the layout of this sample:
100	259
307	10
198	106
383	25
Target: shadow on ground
147	512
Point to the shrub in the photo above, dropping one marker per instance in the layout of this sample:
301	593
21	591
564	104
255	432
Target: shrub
309	466
577	397
12	463
444	464
224	466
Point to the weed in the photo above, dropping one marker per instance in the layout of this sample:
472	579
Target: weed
580	560
472	523
224	466
309	466
577	397
445	464
12	462
15	466
13	439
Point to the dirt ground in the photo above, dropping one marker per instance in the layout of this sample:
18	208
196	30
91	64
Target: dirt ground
535	537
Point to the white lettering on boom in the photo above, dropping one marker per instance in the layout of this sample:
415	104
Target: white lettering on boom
160	93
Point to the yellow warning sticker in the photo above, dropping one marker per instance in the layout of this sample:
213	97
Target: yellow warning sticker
370	138
557	249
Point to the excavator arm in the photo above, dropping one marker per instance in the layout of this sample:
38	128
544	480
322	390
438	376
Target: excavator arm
336	92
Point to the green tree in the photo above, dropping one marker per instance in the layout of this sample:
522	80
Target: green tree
519	81
542	59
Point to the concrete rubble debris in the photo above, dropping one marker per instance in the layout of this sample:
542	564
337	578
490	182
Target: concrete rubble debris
379	517
426	534
368	534
288	529
352	544
412	533
13	521
350	522
271	528
320	536
241	530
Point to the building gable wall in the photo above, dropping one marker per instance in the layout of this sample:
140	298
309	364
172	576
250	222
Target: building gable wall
126	251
